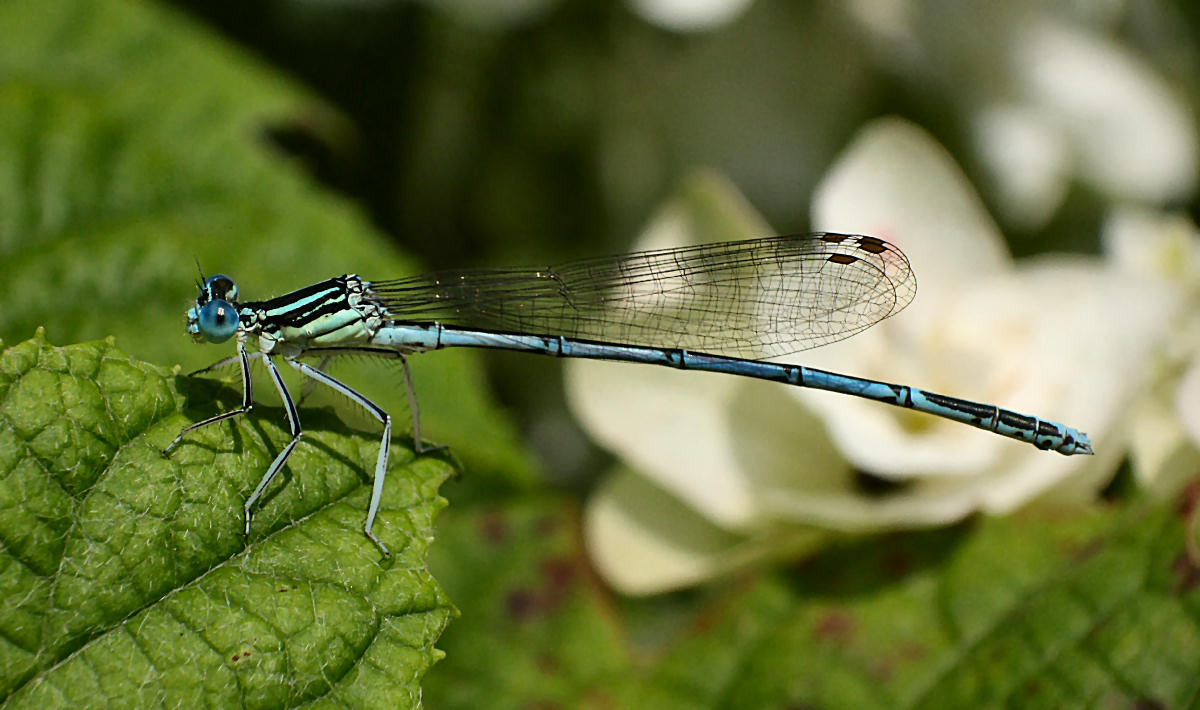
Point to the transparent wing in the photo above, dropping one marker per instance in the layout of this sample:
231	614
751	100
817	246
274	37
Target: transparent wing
755	298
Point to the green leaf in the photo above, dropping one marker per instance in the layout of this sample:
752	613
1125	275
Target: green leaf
125	575
537	628
132	145
1098	610
1079	609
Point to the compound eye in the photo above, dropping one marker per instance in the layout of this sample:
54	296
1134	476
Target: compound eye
218	321
221	287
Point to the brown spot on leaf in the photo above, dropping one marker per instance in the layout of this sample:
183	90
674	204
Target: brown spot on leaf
835	626
1189	499
546	525
1081	552
557	576
884	666
493	527
521	604
1187	574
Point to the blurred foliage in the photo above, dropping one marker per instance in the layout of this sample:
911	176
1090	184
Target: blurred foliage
553	137
1079	611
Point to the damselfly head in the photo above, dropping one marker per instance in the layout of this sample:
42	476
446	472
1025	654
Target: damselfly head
214	318
217	287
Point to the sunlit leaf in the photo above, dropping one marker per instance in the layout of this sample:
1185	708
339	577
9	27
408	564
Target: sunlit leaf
125	574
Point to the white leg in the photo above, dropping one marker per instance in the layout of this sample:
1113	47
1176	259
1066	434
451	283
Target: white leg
384	445
224	363
414	411
247	397
289	407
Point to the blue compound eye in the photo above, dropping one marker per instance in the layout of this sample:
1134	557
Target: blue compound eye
218	321
221	287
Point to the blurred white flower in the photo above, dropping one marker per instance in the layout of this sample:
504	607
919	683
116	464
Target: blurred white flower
730	470
689	15
1166	426
1036	336
1187	401
1047	94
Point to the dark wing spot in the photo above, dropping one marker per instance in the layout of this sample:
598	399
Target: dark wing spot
875	245
844	259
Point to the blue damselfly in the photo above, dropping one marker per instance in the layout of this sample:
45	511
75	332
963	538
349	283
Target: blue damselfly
715	308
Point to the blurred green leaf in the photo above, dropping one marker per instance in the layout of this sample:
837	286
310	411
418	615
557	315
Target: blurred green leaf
125	575
1080	610
132	145
538	630
1099	610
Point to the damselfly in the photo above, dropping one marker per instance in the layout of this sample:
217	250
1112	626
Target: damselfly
714	307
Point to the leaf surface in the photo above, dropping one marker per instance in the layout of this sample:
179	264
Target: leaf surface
125	575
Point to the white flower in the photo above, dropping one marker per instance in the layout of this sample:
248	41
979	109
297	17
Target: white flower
1047	94
689	15
729	470
1187	401
1036	336
1166	425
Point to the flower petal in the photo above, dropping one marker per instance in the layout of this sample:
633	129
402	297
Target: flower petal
1187	401
1134	139
642	540
689	15
894	181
